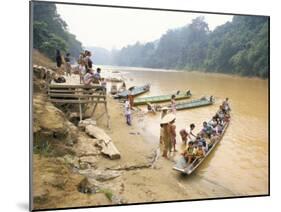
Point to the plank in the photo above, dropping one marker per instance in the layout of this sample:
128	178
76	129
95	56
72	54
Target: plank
73	86
73	101
71	91
76	95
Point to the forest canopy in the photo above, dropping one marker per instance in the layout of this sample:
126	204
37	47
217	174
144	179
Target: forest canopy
236	47
50	32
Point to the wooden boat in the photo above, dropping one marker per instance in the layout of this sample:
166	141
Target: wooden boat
204	101
135	91
185	168
162	98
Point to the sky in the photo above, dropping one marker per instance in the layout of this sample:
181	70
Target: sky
118	27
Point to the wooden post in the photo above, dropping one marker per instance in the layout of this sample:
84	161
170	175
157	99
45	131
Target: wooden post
80	110
107	116
94	109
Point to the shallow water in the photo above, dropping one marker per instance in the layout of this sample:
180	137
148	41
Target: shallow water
239	164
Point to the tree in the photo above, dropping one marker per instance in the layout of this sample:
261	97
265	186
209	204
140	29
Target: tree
50	31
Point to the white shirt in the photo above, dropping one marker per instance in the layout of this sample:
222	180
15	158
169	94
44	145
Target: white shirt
127	108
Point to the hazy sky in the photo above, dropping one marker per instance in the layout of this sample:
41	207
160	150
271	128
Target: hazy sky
118	27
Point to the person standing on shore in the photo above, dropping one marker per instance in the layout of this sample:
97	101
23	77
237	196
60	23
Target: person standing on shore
81	66
58	60
87	59
128	112
166	134
131	99
67	64
173	104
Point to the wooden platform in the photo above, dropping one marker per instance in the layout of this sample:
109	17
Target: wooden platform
82	95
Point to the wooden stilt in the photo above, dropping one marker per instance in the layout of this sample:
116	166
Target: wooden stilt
80	110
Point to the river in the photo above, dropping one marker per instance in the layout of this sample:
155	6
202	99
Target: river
239	164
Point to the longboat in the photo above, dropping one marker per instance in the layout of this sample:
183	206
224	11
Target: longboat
204	101
162	98
135	91
182	166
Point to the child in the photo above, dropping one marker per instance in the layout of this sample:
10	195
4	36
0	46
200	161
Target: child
173	104
183	135
97	76
103	84
207	129
128	111
200	152
190	132
188	153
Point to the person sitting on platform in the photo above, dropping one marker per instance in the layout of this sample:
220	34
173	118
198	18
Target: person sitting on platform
97	76
88	77
103	83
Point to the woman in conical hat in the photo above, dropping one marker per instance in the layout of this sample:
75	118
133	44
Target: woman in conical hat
168	118
167	137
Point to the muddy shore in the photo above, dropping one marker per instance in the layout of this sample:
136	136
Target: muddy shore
72	172
57	166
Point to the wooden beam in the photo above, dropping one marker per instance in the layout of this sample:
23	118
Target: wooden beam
71	91
75	95
74	86
72	101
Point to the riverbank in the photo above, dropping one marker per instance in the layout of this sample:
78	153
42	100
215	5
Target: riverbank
141	175
58	163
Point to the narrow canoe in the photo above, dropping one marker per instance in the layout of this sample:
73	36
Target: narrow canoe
162	98
181	165
135	91
204	101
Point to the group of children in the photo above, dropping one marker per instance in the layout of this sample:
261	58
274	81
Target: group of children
197	145
211	131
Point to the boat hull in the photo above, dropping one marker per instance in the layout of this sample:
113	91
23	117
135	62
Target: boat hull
159	99
183	167
134	91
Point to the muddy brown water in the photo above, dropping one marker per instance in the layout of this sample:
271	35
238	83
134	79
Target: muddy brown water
239	164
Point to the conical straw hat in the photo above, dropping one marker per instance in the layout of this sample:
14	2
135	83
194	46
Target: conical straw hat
165	108
168	118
